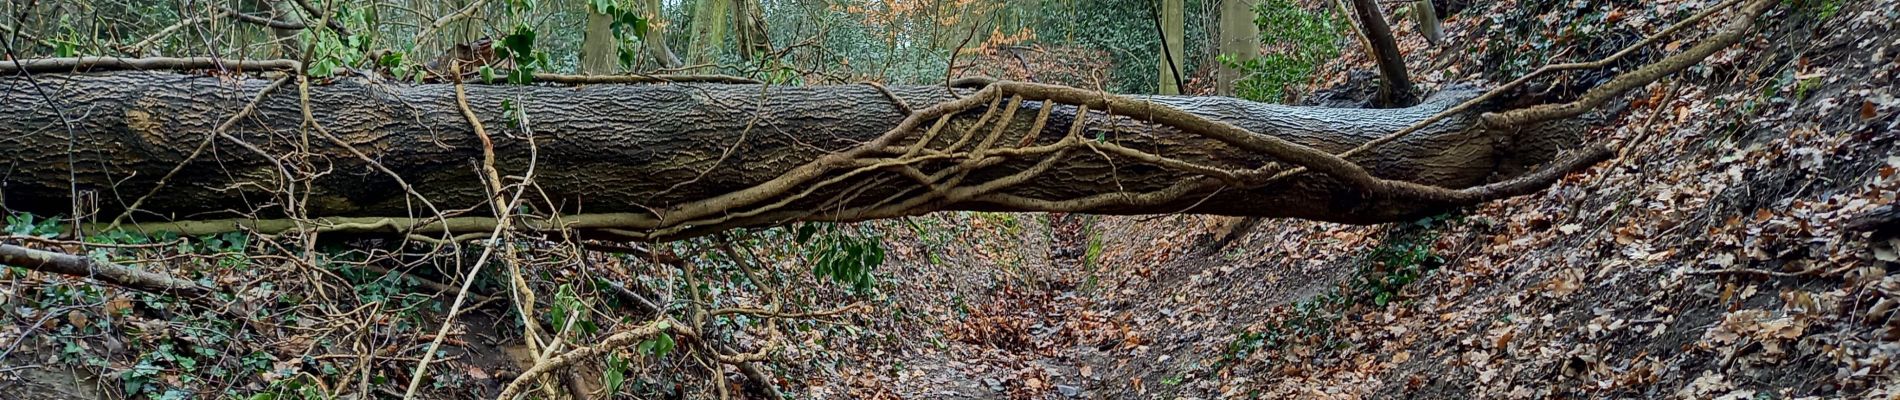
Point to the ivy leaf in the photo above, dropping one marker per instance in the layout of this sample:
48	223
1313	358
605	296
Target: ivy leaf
627	21
806	231
390	60
665	344
616	373
519	44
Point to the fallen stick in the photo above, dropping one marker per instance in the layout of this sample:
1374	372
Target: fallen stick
115	274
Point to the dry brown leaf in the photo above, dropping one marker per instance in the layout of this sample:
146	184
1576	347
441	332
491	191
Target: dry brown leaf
78	319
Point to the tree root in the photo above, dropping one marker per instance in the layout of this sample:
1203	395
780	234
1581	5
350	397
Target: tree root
612	342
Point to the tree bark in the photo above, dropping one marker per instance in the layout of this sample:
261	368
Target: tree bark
600	50
1396	90
639	156
1427	18
1171	21
1239	39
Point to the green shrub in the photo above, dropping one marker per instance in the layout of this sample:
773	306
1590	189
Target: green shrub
1298	41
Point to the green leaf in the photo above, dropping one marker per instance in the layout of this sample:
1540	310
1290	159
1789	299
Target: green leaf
521	75
628	21
806	231
665	344
520	44
616	373
390	60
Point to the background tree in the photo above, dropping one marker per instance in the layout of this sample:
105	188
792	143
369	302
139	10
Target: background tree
600	50
1427	16
1239	42
1395	88
1170	20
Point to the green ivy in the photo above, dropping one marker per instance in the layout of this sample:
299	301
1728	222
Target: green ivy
24	224
657	346
842	255
1405	257
1300	42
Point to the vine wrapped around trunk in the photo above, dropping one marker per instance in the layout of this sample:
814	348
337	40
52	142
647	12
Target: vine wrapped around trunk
656	162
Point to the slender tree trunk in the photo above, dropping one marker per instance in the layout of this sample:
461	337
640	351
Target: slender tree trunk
655	38
286	39
709	30
1239	40
1173	20
748	20
1396	89
645	156
1427	16
599	47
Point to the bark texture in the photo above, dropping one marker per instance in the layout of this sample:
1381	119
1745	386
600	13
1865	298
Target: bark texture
1239	39
638	151
1396	90
1171	22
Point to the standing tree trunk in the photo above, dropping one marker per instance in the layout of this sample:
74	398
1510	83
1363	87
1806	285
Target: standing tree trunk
1396	89
1171	20
655	37
1239	40
286	38
1427	16
710	18
599	47
748	21
661	162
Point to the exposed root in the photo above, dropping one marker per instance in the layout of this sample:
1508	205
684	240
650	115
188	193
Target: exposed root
1736	29
611	343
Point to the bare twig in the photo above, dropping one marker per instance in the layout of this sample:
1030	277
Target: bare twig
84	64
1736	29
117	275
764	313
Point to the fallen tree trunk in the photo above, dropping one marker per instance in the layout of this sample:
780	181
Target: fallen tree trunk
657	162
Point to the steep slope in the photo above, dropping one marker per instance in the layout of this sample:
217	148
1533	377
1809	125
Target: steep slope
1720	255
